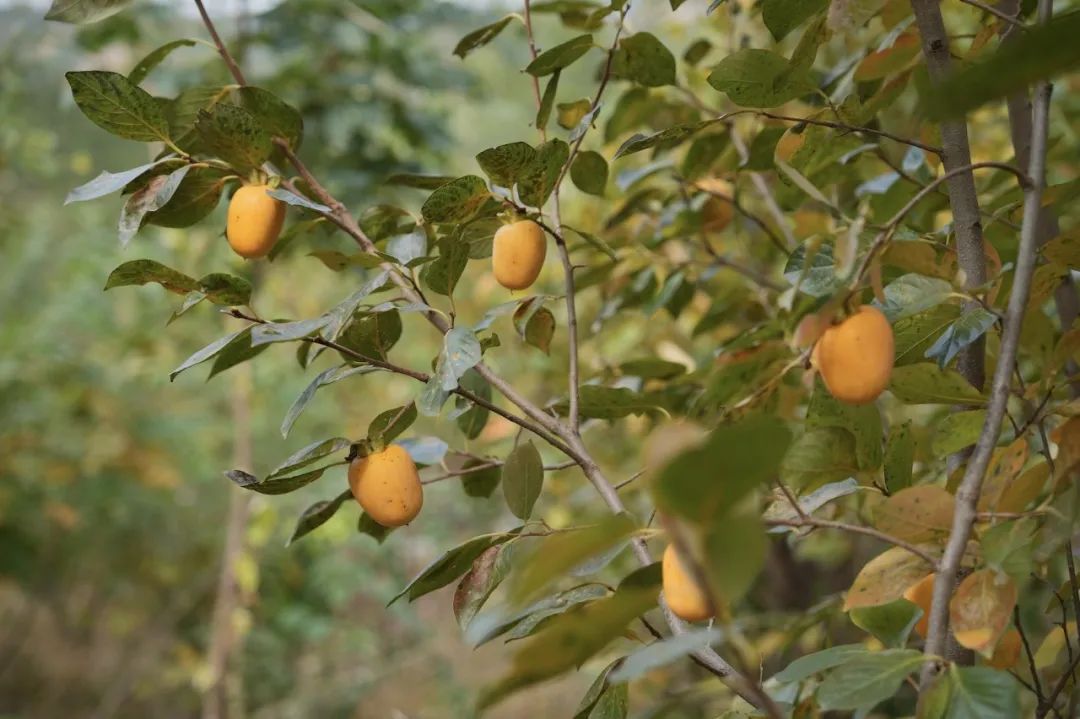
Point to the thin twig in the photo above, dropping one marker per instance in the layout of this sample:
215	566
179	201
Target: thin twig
967	495
1037	685
814	522
996	13
424	377
230	63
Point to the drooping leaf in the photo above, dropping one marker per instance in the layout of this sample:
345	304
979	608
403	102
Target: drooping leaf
504	164
318	514
140	272
522	479
389	425
108	182
783	16
589	172
82	12
451	565
663	652
334	374
537	179
155	58
970	326
309	454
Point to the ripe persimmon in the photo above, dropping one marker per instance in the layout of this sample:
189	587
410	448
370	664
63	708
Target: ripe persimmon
517	254
387	486
921	593
255	220
683	594
855	357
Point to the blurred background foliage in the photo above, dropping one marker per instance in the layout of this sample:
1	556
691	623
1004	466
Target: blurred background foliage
112	502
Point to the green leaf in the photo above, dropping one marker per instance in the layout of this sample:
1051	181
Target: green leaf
372	335
560	56
818	457
652	368
472	421
528	621
183	111
596	243
704	151
481	483
503	164
272	332
731	574
209	351
570	639
237	351
863	422
899	457
537	179
556	555
152	60
82	12
291	198
783	16
311	453
590	172
705	483
108	182
890	623
431	398
522	479
551	90
198	195
389	425
367	525
1040	53
759	78
481	36
225	290
663	652
235	135
912	293
334	374
277	485
152	196
926	383
456	201
872	679
119	106
914	335
956	431
596	691
451	565
982	693
599	402
816	276
277	117
461	352
818	662
140	272
1008	547
971	325
644	59
540	329
668	138
317	515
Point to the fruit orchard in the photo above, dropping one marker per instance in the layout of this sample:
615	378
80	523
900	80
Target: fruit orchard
838	245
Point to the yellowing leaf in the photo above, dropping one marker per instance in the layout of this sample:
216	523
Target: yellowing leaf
980	609
884	578
917	514
1005	464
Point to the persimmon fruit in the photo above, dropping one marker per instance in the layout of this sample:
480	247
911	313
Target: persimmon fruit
684	595
921	593
517	254
855	357
387	486
254	222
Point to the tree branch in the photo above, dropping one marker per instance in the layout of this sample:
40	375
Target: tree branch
962	197
967	496
814	522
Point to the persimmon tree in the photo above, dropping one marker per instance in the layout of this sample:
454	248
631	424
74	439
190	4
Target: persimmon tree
863	275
